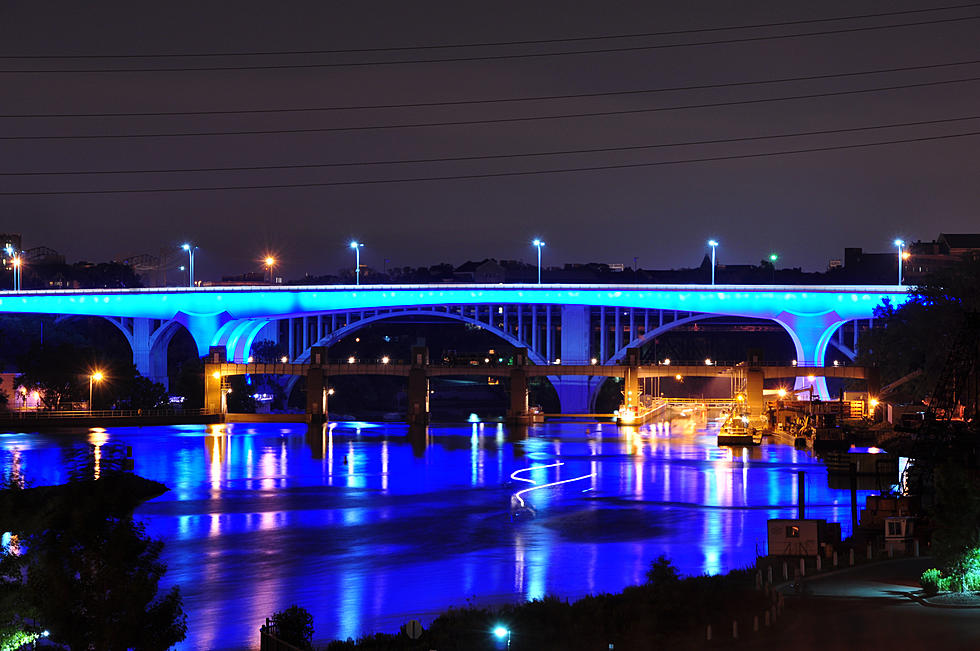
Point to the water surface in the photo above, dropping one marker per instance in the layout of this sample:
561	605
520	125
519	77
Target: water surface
367	526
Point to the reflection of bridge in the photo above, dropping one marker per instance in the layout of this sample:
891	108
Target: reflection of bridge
571	323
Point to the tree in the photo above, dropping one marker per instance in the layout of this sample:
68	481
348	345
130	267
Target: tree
54	371
918	334
94	586
956	518
295	626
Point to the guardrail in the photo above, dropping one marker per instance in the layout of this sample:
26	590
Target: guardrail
41	414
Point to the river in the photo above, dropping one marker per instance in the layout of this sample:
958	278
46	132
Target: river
367	528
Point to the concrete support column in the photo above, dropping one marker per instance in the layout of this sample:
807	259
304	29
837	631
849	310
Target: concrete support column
520	323
150	359
575	391
631	382
602	336
534	328
506	327
549	346
618	336
754	397
418	388
291	342
316	395
212	380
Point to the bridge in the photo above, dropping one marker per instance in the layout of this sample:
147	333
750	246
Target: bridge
563	327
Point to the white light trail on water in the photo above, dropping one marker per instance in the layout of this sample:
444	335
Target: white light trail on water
554	483
514	476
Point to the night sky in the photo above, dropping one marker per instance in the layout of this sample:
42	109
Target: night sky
806	206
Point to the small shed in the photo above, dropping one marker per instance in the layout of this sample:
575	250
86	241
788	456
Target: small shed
800	537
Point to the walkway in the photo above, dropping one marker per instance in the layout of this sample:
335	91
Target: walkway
869	608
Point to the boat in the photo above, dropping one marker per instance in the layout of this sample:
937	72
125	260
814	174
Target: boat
737	431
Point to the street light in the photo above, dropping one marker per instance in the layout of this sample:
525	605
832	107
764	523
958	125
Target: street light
270	262
17	270
95	377
539	244
772	261
357	261
901	245
714	245
502	632
190	252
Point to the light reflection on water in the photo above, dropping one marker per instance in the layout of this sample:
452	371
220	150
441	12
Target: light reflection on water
367	525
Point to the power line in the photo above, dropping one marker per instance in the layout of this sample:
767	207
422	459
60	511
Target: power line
497	57
532	118
534	98
460	177
494	43
688	143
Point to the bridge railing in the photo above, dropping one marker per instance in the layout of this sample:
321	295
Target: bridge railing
858	289
41	414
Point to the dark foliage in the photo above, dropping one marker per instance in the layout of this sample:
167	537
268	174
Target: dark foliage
918	335
295	626
94	586
666	612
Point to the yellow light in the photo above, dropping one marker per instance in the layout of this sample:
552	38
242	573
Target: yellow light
873	403
330	391
16	262
781	393
707	362
216	375
906	255
97	376
667	361
740	397
283	359
678	377
811	378
269	261
558	360
351	360
594	361
385	359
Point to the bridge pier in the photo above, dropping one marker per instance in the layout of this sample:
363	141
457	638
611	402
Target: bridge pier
213	396
316	387
754	395
519	412
418	388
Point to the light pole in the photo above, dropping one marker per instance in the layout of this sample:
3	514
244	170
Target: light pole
539	244
901	245
714	245
357	261
772	260
97	377
190	252
17	271
270	262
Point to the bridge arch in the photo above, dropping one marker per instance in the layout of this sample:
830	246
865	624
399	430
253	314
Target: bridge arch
350	328
148	341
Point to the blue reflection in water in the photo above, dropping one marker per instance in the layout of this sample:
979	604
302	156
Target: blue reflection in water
369	525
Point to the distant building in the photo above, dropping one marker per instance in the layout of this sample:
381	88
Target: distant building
487	271
925	258
10	244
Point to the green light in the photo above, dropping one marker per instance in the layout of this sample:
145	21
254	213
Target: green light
773	257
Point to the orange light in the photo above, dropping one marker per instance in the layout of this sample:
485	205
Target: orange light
270	261
98	376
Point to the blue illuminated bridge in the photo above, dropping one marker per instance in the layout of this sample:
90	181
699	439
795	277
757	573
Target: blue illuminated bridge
558	324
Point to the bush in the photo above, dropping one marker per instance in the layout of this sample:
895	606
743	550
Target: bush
295	626
930	581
